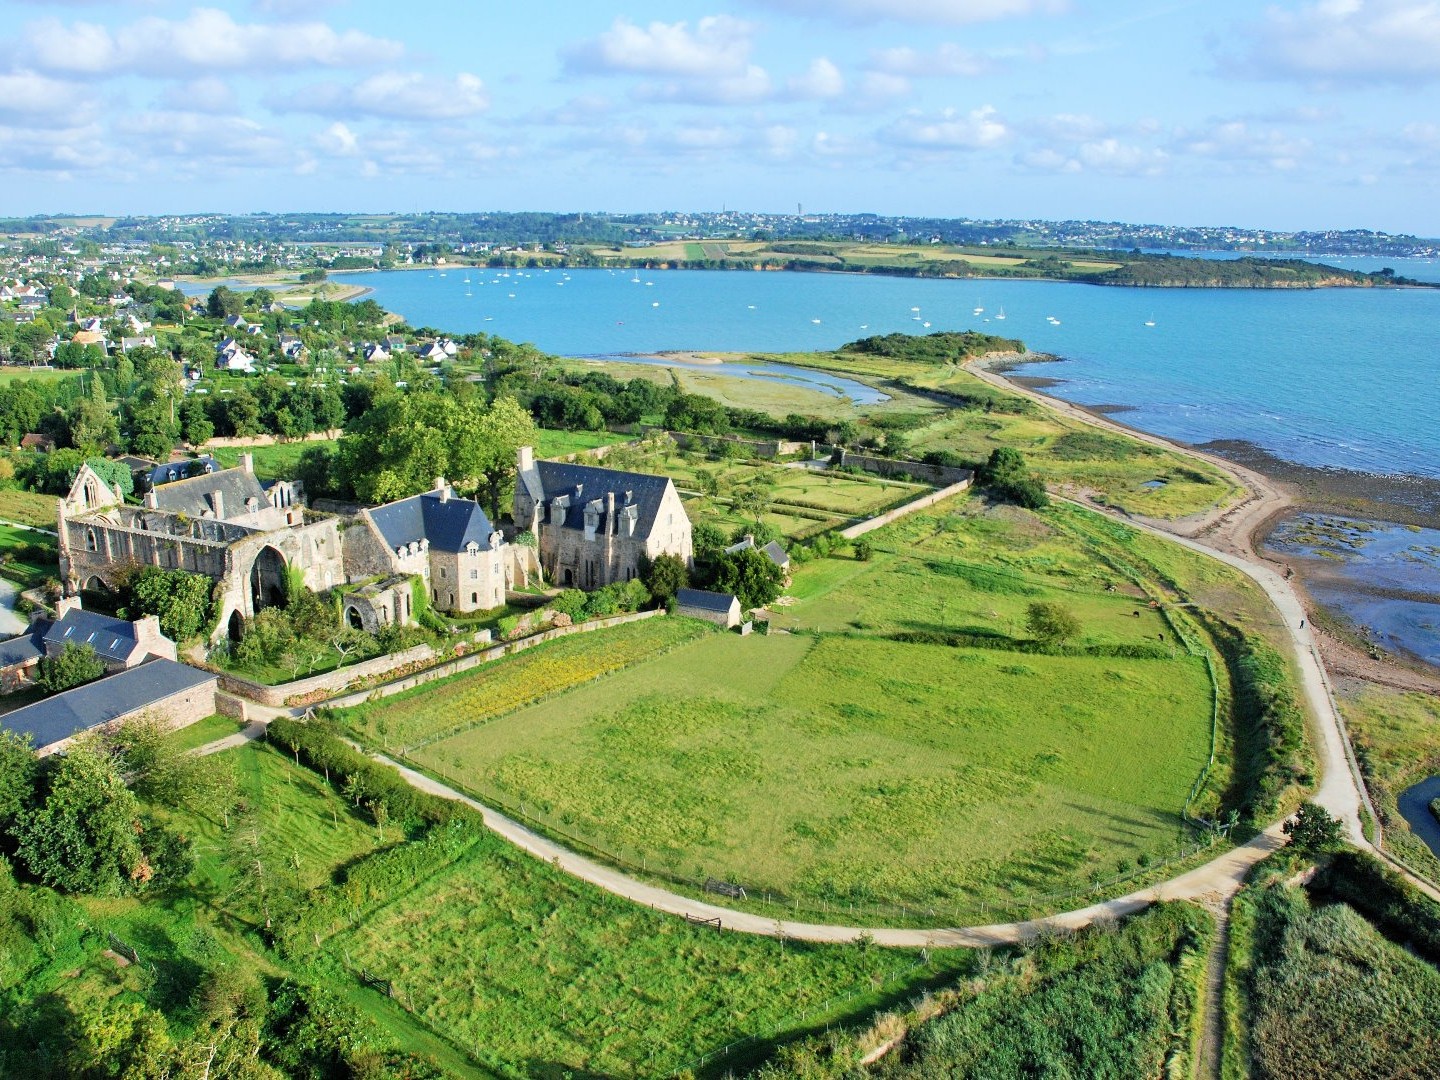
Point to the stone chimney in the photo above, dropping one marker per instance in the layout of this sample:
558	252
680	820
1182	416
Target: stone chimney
151	502
152	642
247	462
525	458
442	489
610	512
65	605
217	501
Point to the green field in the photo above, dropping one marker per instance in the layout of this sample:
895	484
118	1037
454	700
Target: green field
208	730
1067	453
1326	994
859	769
476	697
1397	740
500	961
1111	1001
28	508
276	461
519	962
39	561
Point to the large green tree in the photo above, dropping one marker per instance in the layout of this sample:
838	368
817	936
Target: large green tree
83	836
73	665
749	574
179	598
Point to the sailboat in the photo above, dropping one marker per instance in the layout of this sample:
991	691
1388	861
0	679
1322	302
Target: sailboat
1000	314
1150	321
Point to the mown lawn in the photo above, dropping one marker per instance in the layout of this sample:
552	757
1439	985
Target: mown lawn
28	558
859	768
208	730
274	462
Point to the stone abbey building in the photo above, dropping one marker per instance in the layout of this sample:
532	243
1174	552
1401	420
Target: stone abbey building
226	525
594	526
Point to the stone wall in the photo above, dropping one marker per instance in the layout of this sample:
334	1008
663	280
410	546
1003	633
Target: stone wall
278	696
871	524
935	474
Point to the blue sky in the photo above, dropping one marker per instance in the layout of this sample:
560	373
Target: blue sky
1301	114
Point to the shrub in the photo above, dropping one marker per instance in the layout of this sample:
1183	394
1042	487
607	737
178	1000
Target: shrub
1050	622
73	666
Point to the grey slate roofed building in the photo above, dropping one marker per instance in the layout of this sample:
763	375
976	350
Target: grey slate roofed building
58	719
447	523
448	542
182	470
723	609
594	526
583	484
113	640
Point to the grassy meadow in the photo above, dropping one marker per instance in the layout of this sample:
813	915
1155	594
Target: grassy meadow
28	508
1111	1001
858	769
1396	736
1326	994
28	558
1068	453
501	964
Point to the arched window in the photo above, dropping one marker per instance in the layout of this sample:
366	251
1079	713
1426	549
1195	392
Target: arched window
92	540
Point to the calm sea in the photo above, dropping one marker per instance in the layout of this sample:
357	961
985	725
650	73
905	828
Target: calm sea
1331	377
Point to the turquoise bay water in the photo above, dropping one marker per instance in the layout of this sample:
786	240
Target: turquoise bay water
1332	377
1341	378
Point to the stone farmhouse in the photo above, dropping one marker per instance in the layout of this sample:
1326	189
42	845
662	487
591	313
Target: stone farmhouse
447	541
120	645
223	524
594	526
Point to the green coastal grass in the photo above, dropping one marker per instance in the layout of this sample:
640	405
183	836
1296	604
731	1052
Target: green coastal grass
1330	996
859	768
527	966
501	964
478	696
1397	739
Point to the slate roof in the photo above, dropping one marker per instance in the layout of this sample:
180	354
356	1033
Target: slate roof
180	470
705	600
561	478
112	639
449	525
192	496
773	550
102	701
24	648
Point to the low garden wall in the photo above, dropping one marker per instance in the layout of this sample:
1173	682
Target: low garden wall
871	524
935	474
331	681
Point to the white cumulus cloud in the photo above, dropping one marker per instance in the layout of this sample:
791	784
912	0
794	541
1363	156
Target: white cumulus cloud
30	99
944	60
943	12
978	129
1346	41
204	41
717	45
822	79
392	94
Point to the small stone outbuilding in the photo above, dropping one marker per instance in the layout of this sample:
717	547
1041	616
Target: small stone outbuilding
723	609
